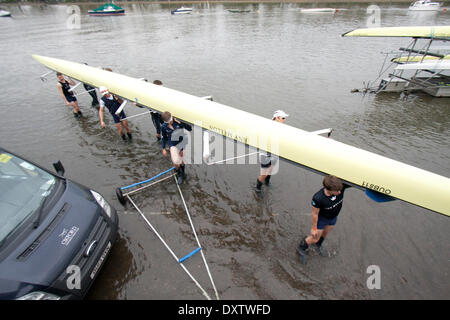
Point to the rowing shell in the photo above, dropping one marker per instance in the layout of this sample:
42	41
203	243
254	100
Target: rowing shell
360	168
435	65
419	59
427	32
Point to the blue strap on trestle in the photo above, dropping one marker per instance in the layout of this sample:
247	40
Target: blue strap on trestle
153	178
189	255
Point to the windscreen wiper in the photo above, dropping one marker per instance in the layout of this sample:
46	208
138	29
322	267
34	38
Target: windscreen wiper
41	209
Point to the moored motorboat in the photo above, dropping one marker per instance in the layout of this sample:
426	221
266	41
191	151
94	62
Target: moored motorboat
108	9
319	10
425	5
237	10
181	10
5	13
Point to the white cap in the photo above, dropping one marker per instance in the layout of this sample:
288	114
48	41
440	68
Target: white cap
280	113
103	90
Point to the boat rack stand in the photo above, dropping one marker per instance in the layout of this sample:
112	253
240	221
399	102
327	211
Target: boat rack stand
139	186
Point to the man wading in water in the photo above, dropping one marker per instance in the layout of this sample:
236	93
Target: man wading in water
172	135
113	104
156	116
326	205
267	159
68	96
91	90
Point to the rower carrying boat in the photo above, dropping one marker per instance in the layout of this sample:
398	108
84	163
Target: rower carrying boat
357	167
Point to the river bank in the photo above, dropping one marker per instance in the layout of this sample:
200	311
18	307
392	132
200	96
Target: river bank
213	1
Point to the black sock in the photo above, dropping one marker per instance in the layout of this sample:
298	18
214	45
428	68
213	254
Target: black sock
79	112
258	184
129	135
303	244
180	175
319	243
124	138
267	180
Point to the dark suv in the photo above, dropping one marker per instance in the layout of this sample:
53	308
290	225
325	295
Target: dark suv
55	234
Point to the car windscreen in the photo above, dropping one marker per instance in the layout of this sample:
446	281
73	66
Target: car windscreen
23	189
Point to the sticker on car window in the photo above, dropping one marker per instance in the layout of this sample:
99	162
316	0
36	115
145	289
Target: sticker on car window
4	158
27	166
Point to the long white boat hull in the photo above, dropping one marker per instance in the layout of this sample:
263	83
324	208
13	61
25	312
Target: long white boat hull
356	166
434	65
319	10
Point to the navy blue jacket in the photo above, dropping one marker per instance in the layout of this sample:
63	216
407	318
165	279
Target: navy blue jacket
166	133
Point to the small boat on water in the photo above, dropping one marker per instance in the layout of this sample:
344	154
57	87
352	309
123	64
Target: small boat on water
238	10
425	5
4	13
181	10
108	9
319	10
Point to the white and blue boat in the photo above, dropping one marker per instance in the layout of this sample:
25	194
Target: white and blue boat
425	5
5	13
181	10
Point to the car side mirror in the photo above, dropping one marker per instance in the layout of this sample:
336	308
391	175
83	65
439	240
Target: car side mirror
59	168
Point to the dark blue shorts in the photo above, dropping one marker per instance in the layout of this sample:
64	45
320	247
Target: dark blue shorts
117	118
323	222
71	98
266	165
267	161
